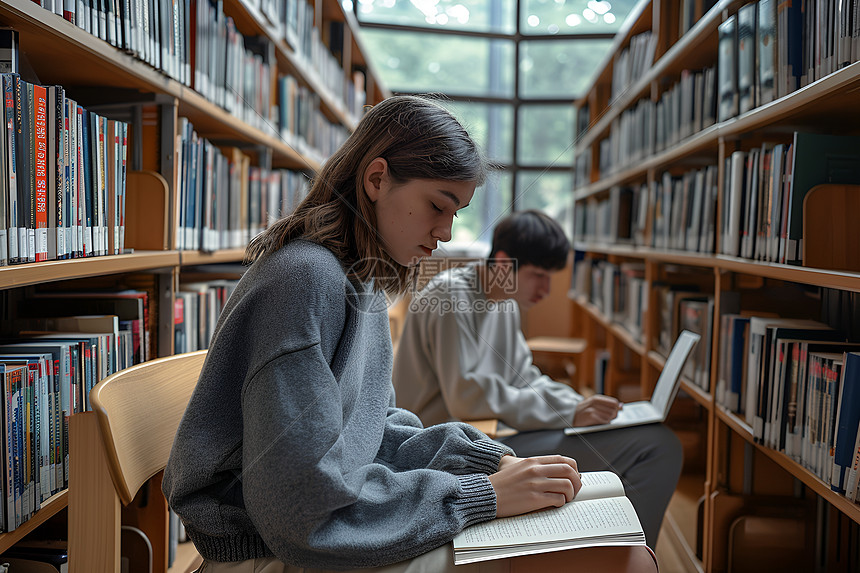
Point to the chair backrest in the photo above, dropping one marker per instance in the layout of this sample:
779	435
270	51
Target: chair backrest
139	410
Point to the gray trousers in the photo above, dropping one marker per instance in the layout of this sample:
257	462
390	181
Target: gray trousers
648	458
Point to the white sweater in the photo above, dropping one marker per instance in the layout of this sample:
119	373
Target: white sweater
464	357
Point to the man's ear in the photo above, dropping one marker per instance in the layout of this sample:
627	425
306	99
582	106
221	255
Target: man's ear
375	178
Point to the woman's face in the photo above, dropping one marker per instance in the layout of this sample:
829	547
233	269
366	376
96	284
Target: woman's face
413	217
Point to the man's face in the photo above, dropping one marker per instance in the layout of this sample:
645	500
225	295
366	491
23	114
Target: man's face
533	285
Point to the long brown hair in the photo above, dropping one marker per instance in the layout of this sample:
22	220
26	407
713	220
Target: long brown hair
419	139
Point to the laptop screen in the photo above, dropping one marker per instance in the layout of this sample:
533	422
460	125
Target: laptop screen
664	391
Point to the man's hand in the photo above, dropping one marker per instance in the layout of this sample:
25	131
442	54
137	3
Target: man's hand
528	484
597	409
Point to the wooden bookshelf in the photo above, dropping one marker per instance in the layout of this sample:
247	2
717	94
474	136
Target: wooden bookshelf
826	105
36	273
679	523
204	258
100	76
51	507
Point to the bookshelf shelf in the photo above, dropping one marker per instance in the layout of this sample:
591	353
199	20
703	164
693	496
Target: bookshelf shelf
251	21
67	55
51	507
812	481
680	522
170	127
218	124
807	275
35	273
671	63
204	258
689	185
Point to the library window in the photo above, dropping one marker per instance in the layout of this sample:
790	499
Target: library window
510	70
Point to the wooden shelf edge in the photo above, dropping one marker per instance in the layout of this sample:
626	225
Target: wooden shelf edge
32	273
844	280
775	111
679	542
812	481
52	506
204	258
692	144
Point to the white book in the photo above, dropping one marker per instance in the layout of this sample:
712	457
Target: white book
599	515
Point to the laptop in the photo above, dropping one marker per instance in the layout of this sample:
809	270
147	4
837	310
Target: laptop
657	408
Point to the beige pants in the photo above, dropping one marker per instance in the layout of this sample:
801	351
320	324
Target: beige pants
588	560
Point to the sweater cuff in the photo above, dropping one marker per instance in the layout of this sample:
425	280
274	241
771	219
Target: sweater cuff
477	502
485	455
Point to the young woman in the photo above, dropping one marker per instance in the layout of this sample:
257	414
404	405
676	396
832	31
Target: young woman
290	454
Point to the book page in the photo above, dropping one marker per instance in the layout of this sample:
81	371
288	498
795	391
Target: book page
577	519
599	484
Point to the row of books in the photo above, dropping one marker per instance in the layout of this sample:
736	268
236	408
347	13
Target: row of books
765	52
621	294
293	20
302	124
47	375
233	71
632	62
55	347
682	211
765	187
223	200
797	384
195	43
649	127
155	31
684	307
197	308
770	49
64	170
618	291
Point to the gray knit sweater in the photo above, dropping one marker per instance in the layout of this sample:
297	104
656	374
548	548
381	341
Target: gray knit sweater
290	445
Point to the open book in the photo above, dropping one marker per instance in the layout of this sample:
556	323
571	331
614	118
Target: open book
599	515
657	408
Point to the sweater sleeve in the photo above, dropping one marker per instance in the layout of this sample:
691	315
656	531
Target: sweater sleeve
455	447
314	495
482	377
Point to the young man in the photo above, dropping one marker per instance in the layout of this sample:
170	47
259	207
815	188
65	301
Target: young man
462	356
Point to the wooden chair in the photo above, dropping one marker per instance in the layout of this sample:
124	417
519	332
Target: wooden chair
116	449
125	441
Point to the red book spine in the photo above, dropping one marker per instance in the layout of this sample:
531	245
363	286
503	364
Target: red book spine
41	128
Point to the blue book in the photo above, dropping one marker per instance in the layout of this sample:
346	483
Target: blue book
847	420
739	330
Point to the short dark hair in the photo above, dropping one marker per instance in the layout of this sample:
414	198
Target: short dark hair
531	238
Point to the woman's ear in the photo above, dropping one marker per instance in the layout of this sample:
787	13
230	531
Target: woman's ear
375	178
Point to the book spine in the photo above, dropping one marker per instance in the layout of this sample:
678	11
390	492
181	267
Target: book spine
11	181
40	122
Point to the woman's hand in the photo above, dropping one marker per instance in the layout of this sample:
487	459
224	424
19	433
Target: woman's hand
597	409
527	484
